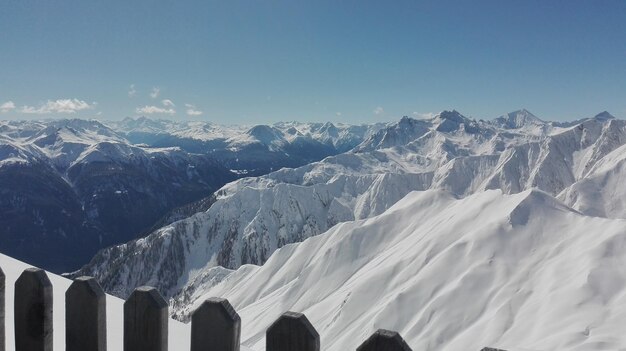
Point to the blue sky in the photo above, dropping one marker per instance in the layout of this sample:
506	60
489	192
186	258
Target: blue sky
349	61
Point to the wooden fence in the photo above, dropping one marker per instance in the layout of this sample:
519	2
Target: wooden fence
215	325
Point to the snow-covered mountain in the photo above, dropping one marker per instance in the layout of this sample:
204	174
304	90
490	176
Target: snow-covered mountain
71	187
510	271
250	150
418	218
80	185
601	191
522	119
252	217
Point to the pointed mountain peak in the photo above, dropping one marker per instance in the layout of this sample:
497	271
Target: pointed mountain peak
603	116
518	119
450	121
329	128
453	115
406	120
265	134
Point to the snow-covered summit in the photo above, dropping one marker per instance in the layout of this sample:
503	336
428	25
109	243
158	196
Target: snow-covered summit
397	134
265	134
453	121
519	119
604	115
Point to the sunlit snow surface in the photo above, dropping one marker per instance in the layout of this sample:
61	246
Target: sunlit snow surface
516	271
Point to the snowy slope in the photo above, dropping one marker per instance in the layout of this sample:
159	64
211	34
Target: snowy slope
179	333
254	216
511	271
602	192
244	228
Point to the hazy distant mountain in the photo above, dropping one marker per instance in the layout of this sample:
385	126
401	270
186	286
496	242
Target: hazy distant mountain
249	150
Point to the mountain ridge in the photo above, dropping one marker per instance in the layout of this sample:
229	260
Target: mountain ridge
249	219
434	260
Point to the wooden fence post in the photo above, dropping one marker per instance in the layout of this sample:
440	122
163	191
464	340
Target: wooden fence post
33	311
85	316
215	326
145	321
292	332
384	340
2	330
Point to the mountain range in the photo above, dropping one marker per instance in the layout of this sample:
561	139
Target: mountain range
71	187
522	217
254	216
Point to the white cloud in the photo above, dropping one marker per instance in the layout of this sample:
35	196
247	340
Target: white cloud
59	106
7	107
379	110
338	114
192	110
155	92
427	115
148	110
167	103
168	108
132	91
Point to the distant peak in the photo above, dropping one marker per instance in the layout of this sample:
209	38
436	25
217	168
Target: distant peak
527	115
604	115
328	127
450	121
453	115
522	111
264	133
260	128
406	120
518	119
